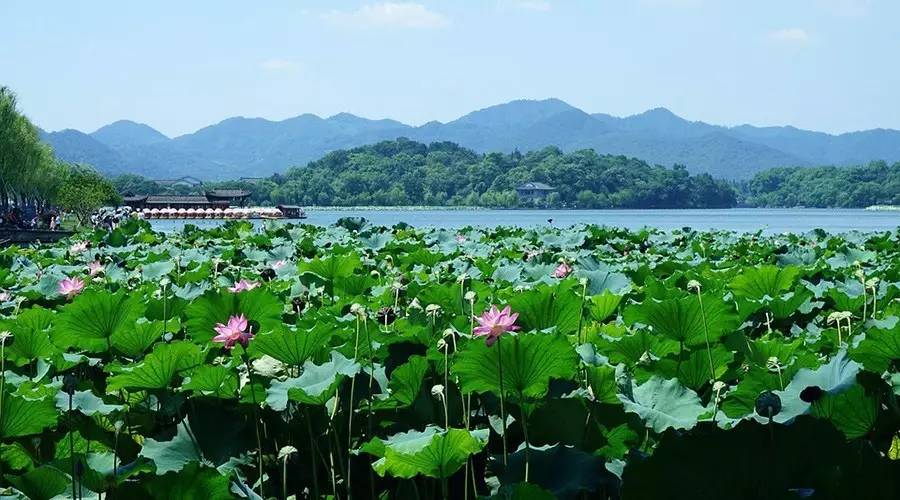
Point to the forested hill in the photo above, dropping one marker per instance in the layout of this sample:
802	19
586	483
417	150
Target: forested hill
877	183
404	172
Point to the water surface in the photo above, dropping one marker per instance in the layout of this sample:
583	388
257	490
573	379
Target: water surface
769	220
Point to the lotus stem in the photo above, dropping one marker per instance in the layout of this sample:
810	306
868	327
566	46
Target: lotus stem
352	393
584	285
502	398
712	370
255	424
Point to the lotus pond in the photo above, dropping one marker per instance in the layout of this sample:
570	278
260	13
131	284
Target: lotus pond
341	362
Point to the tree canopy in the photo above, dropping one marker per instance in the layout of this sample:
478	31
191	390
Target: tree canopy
825	187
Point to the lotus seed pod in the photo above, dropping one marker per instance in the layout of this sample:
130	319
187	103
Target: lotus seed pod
768	404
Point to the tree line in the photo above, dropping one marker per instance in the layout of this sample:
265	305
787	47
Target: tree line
33	181
405	172
876	183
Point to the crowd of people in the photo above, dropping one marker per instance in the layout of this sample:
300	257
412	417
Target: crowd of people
29	218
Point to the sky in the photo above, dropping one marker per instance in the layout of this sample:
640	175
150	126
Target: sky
828	65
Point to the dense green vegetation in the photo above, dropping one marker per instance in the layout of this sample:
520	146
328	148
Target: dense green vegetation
330	362
874	184
404	172
31	178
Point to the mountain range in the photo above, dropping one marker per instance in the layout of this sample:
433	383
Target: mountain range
256	147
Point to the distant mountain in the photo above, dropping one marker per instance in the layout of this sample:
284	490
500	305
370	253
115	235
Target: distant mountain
74	146
254	147
126	133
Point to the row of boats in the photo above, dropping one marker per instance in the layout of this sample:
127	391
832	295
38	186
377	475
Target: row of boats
212	213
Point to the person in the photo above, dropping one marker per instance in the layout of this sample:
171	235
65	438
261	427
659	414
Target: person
52	222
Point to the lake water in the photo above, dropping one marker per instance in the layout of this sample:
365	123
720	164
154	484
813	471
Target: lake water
735	219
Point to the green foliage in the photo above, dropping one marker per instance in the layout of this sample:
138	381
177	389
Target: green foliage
83	191
617	390
826	187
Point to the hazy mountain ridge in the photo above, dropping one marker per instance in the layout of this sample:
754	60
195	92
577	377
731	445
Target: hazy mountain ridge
255	147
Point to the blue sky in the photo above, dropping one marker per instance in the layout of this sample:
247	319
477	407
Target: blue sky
826	65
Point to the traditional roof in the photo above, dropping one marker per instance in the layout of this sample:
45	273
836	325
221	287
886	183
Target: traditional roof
228	193
535	186
165	199
134	199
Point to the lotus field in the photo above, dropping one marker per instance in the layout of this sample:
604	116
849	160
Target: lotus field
350	362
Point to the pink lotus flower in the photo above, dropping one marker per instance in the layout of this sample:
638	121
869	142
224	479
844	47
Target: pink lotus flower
562	270
78	247
494	323
70	287
243	286
5	296
233	332
278	264
95	268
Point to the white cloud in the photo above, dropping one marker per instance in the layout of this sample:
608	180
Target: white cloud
390	15
276	64
790	35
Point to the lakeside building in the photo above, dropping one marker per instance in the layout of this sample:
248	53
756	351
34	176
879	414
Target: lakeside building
217	198
534	191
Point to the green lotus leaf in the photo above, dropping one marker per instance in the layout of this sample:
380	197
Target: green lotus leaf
851	411
93	318
529	361
878	350
405	383
158	368
564	471
315	385
31	339
684	319
85	402
135	340
757	283
433	452
213	380
156	270
605	280
335	265
23	417
604	304
42	483
292	347
15	456
174	454
256	305
547	307
693	371
664	404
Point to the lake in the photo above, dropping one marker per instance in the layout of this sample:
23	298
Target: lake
770	220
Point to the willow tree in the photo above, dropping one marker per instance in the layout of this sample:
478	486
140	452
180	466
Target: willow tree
29	173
